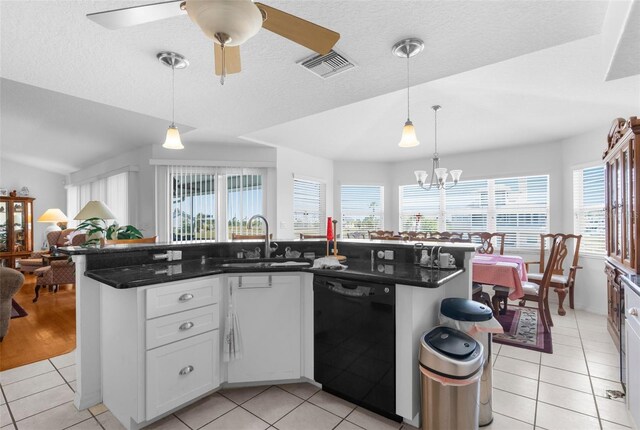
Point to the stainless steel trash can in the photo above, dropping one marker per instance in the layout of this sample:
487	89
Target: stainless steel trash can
476	320
450	367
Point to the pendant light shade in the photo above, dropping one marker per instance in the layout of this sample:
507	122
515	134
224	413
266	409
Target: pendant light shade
175	61
173	139
409	138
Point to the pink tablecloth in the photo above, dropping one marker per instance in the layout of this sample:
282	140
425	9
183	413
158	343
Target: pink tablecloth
504	270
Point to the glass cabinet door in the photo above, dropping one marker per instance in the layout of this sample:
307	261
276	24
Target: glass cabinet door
19	233
4	219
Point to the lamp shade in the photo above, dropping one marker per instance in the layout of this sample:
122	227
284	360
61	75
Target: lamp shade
53	215
409	138
421	176
95	209
455	175
173	139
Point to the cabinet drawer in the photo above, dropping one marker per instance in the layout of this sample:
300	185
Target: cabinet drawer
632	301
180	372
181	296
174	327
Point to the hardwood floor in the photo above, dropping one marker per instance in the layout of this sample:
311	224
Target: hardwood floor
48	330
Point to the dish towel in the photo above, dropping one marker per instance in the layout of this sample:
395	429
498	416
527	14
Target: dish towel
232	338
328	263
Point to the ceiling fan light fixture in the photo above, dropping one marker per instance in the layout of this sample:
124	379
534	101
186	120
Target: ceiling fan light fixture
409	138
173	141
239	19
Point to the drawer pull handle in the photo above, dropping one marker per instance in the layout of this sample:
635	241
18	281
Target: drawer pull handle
185	297
186	326
633	312
186	370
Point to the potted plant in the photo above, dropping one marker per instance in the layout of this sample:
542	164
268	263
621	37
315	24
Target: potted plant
97	231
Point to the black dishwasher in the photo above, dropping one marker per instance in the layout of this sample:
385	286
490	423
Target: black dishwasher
354	342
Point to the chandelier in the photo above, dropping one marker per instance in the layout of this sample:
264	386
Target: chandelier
439	174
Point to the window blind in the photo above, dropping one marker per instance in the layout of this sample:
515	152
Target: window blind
362	209
419	209
467	206
588	209
193	203
522	209
308	207
117	196
112	190
244	195
213	203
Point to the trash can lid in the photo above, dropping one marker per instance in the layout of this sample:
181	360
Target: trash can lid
451	342
465	310
450	353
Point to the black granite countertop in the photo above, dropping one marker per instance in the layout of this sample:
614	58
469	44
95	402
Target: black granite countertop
357	269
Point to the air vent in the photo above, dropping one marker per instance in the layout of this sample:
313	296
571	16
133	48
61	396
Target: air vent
327	65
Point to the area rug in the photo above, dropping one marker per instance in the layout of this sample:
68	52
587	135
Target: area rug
16	310
523	329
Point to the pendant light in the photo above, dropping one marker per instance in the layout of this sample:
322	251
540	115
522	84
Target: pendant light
175	61
407	48
438	174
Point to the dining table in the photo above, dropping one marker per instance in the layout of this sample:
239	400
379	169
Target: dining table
503	270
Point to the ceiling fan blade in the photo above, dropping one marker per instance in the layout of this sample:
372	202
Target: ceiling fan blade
232	59
303	32
130	16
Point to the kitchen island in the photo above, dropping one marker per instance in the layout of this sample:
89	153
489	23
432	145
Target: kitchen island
114	286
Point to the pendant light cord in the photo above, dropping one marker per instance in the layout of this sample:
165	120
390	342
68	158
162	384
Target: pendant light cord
408	86
173	94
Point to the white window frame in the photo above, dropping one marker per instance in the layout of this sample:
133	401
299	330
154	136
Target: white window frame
586	247
321	213
365	212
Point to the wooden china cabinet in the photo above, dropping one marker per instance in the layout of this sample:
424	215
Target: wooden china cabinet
16	229
622	160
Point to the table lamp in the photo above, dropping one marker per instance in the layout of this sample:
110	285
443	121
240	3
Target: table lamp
95	209
53	216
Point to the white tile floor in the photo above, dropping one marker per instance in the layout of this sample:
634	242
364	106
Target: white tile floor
562	391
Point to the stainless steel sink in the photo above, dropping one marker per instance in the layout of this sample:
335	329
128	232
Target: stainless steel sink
265	264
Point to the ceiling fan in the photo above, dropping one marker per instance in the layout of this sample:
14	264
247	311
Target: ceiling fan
229	23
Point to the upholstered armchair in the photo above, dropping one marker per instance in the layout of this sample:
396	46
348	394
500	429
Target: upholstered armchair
54	238
10	282
58	273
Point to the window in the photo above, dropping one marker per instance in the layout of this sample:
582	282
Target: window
467	206
522	210
517	206
588	209
362	209
419	209
308	207
208	203
112	190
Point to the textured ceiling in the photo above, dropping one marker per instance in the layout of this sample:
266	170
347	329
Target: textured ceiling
52	45
545	96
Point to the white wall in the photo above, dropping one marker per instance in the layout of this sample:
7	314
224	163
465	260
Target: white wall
294	164
578	152
47	188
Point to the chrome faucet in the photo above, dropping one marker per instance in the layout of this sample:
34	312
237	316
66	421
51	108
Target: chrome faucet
267	244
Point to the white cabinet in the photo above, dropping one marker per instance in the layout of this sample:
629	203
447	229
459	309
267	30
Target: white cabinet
269	315
160	347
632	333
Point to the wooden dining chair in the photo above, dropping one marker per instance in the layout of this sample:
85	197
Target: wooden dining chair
380	234
533	291
450	236
560	282
488	241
